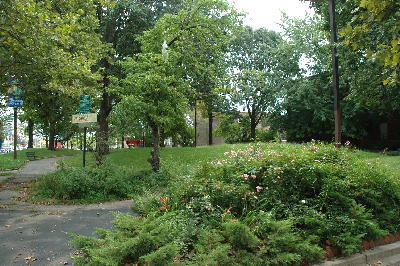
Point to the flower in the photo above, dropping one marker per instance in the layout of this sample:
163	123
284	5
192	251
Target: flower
253	176
259	188
228	210
303	201
245	176
226	153
164	199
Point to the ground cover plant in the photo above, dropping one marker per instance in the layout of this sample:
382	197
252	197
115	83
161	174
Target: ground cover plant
265	204
124	173
7	162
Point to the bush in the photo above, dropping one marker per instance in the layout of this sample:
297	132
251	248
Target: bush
266	135
90	185
259	206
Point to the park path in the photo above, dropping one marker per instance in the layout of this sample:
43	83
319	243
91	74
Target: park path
33	234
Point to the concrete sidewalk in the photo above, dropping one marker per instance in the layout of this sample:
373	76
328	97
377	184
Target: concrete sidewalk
33	234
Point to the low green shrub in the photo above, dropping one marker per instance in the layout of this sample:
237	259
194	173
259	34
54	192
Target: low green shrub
90	185
266	135
257	206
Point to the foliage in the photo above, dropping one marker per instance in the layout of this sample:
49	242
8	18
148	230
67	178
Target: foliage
260	65
266	135
197	36
234	128
120	25
368	48
51	40
305	110
88	185
374	29
156	95
262	205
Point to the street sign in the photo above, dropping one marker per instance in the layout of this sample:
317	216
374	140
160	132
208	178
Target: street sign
15	102
84	120
84	104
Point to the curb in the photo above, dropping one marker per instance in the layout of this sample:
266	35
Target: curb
387	255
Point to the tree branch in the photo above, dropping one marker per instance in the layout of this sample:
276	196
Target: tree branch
13	35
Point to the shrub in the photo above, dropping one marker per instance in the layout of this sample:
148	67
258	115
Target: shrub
90	185
266	135
260	207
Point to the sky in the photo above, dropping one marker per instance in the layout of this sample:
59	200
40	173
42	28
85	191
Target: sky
267	13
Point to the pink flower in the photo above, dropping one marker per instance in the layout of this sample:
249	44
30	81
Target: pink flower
253	176
259	188
226	153
245	176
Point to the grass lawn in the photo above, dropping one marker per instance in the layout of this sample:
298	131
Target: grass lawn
181	160
184	160
7	162
391	163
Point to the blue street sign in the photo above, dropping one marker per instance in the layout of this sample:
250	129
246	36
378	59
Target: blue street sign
15	102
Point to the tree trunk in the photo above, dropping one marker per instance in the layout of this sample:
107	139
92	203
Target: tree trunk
30	133
162	137
52	135
210	128
155	153
122	142
253	125
102	147
47	142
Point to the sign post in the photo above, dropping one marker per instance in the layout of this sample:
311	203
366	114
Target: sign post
84	119
15	101
15	132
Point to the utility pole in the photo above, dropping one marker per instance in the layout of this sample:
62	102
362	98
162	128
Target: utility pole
335	70
335	73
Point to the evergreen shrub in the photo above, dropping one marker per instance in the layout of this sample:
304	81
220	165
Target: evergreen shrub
256	206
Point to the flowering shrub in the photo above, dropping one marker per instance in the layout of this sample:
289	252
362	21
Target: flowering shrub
263	206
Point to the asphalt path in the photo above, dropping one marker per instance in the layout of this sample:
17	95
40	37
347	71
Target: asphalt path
32	234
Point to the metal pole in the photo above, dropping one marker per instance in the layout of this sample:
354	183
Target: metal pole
15	132
335	72
195	123
84	146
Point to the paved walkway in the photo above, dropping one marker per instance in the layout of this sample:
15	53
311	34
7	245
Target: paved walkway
33	234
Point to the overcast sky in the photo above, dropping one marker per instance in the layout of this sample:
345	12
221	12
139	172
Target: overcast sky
267	13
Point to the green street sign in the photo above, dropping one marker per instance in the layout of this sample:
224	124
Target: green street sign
84	104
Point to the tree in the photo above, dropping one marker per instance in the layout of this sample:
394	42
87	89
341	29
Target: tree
155	94
56	40
52	111
120	26
260	66
199	34
374	29
369	28
305	110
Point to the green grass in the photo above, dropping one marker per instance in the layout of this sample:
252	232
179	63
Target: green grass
184	160
7	162
178	160
390	163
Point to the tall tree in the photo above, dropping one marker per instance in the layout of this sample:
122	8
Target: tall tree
155	84
200	34
55	40
260	66
120	25
375	29
156	95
